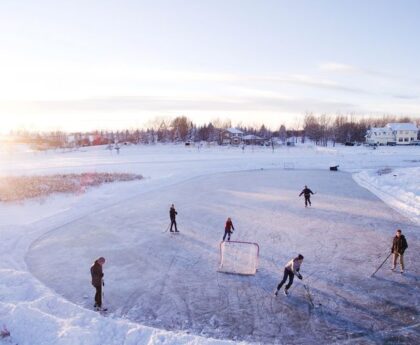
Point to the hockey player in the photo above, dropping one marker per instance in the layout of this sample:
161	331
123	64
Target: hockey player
307	194
291	268
172	216
228	229
98	281
399	245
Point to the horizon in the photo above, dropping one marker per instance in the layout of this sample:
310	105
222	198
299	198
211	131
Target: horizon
77	67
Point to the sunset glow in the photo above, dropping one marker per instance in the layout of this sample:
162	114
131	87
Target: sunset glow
111	65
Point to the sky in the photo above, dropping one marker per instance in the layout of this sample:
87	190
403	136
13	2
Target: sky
82	65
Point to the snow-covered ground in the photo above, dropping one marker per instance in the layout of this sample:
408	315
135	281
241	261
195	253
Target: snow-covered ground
165	290
399	188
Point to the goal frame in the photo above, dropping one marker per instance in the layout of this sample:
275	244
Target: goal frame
243	242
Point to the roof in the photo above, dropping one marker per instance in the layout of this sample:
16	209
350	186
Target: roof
407	126
234	131
251	137
379	129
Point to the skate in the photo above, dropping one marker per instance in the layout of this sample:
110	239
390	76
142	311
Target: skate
286	293
276	292
101	309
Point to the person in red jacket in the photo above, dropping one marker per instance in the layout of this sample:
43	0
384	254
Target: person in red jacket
228	229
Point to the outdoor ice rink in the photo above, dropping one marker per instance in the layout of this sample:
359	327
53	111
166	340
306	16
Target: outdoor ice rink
171	281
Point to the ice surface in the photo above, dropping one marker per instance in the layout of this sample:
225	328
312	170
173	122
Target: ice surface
171	283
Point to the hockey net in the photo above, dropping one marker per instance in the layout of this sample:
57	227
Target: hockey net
289	165
239	257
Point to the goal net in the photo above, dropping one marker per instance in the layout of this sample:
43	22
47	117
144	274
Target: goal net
289	165
239	257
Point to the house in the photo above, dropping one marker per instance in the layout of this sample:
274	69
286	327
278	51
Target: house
231	136
252	139
380	136
392	133
404	133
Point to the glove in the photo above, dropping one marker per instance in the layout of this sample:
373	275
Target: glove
103	283
300	276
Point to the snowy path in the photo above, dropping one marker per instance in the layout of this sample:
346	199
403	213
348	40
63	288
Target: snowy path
171	282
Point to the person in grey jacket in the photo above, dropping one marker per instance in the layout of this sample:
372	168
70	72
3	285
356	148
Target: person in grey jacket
290	270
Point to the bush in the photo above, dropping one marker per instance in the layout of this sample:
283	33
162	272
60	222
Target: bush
16	188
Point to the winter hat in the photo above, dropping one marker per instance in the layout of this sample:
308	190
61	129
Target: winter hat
101	259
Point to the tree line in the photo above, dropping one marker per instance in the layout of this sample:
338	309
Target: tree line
344	128
321	129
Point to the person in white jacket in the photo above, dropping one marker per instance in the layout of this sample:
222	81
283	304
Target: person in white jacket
291	268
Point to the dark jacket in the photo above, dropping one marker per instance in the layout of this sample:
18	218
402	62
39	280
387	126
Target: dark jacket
97	274
399	245
306	192
172	213
229	226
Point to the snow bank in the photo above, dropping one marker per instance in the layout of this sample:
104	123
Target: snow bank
399	188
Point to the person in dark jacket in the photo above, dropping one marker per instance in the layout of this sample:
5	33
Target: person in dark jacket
98	281
399	245
290	270
172	216
307	194
228	229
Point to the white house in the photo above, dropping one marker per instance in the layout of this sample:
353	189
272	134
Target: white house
404	133
380	136
392	133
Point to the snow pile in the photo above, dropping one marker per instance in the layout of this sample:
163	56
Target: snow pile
399	188
17	188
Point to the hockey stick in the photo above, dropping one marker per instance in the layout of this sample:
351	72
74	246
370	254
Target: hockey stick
167	228
308	292
380	265
103	309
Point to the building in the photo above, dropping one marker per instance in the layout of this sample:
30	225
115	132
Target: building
380	136
404	133
231	136
392	134
252	139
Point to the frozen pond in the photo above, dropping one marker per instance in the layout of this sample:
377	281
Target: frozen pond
171	281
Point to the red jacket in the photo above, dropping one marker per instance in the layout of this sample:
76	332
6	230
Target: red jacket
229	226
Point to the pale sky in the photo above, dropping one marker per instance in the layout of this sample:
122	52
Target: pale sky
79	65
